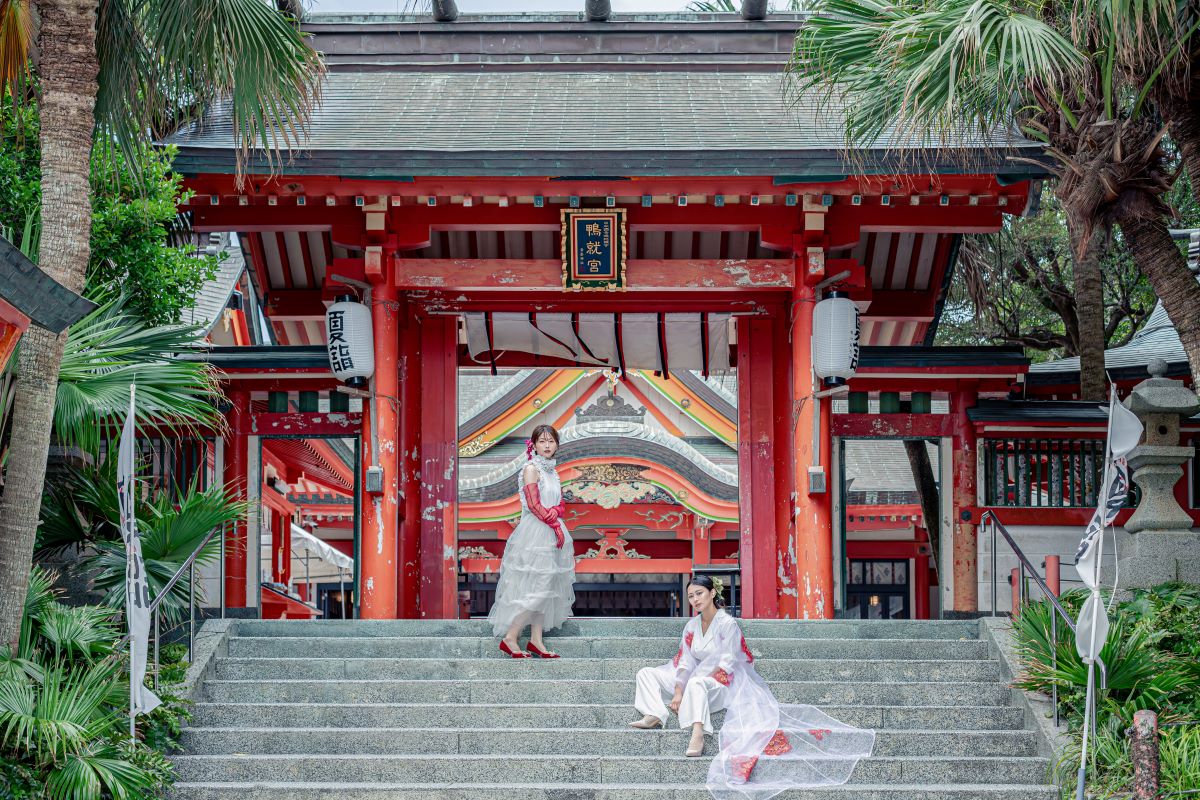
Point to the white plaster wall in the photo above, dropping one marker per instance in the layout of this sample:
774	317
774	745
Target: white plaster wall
1037	542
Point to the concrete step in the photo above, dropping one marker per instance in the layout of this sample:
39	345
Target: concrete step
660	648
573	769
969	671
529	690
441	715
570	741
260	790
618	627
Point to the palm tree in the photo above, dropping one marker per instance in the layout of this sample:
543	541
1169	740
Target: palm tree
954	70
121	70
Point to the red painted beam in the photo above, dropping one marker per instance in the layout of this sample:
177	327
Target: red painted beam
482	274
306	423
923	426
905	306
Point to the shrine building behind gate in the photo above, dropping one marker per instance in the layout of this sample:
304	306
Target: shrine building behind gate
434	188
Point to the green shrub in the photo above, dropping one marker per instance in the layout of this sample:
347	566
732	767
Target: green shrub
1152	655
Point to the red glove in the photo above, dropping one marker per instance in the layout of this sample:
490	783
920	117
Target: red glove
533	499
561	508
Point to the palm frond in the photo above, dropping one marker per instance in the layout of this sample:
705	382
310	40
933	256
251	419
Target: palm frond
916	74
106	352
170	530
163	62
16	36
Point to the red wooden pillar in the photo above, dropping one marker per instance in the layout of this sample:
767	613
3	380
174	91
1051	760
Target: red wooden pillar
410	468
756	460
921	587
379	565
438	593
786	576
277	553
814	511
966	542
236	467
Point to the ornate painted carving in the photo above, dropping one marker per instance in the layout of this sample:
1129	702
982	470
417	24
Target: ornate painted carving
476	446
610	407
611	548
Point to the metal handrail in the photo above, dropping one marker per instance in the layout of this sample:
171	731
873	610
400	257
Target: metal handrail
996	526
188	565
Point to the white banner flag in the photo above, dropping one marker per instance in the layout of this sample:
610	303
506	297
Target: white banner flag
1124	433
137	589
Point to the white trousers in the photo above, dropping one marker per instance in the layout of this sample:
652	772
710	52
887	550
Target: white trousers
702	697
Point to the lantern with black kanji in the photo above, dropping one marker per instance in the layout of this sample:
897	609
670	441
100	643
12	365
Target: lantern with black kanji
835	339
349	341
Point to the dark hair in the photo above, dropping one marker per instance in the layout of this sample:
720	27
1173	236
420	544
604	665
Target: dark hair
705	582
540	429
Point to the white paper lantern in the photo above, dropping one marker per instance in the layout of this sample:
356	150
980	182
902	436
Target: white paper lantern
835	339
350	342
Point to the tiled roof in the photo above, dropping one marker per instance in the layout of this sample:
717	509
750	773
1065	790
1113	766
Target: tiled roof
46	302
576	123
214	294
1156	339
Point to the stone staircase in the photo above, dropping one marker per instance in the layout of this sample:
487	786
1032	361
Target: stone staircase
431	710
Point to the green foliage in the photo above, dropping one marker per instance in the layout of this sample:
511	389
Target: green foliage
132	253
1017	287
171	529
107	351
81	508
63	712
1153	661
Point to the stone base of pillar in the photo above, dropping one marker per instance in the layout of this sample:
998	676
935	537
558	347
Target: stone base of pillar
1154	557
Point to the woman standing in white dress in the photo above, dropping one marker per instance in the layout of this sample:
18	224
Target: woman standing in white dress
537	573
766	748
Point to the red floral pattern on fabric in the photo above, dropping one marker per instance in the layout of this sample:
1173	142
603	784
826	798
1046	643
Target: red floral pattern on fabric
746	650
741	767
819	733
687	639
675	660
778	745
721	677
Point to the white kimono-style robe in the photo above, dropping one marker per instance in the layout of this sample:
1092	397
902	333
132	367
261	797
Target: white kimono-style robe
766	748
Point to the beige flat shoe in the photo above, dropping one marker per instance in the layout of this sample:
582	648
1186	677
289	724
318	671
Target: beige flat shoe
647	723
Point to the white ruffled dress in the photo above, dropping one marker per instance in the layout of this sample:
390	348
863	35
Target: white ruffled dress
537	578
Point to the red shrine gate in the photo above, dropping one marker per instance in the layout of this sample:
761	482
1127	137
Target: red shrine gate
433	249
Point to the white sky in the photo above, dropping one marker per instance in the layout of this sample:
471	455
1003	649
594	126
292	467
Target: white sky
476	6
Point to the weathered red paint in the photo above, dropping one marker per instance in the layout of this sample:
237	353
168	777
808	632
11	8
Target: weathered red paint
756	487
410	469
814	512
439	467
307	423
378	550
545	274
965	547
784	472
236	468
875	426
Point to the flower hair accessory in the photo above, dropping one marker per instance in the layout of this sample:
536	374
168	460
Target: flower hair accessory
718	585
529	449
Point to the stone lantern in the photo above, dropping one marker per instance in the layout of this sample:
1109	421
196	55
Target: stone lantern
1163	546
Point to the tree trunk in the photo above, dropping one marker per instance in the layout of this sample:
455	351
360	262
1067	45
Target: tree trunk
1184	122
1089	315
1159	259
927	494
67	75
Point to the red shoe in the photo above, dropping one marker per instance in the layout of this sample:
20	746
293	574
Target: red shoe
504	648
539	652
